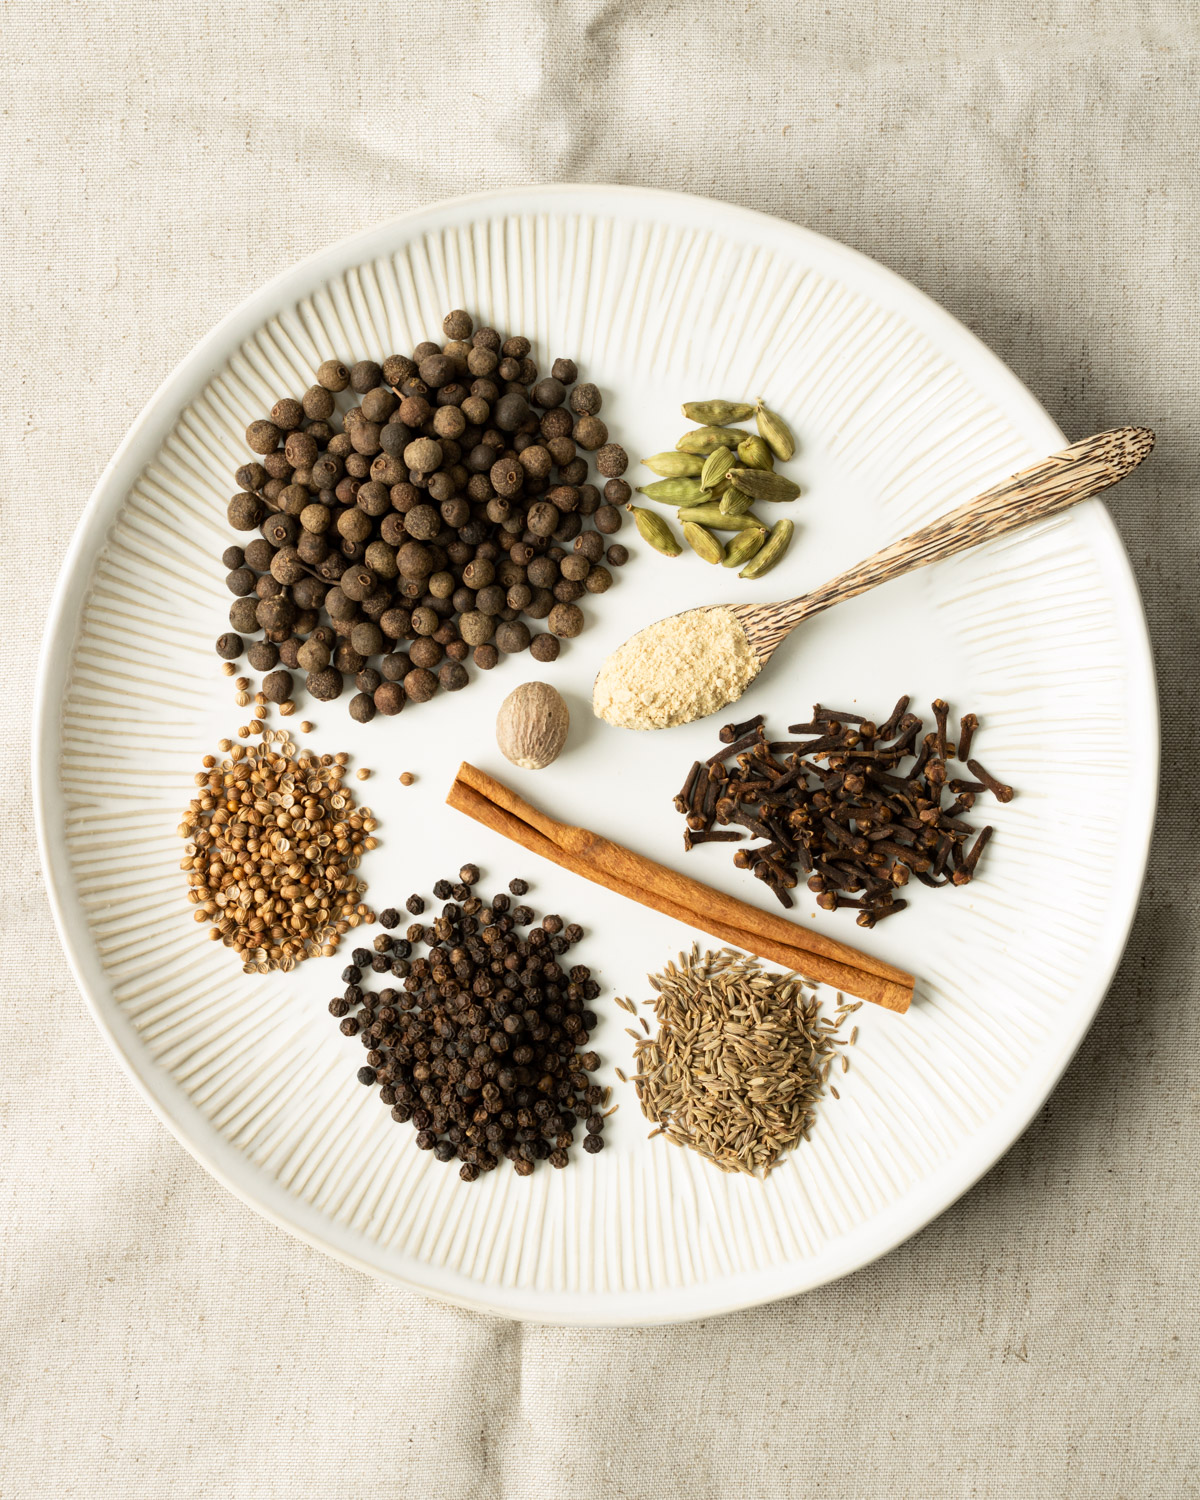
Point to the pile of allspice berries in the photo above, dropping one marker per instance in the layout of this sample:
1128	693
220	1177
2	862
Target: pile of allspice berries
715	475
449	505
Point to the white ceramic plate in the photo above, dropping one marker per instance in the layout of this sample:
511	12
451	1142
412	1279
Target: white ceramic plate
901	415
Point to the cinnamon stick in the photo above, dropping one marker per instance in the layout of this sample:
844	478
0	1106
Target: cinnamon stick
774	938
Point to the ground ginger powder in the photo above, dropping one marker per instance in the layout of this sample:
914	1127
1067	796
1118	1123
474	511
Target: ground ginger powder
676	670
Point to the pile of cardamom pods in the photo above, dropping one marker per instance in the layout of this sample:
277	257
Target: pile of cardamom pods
715	474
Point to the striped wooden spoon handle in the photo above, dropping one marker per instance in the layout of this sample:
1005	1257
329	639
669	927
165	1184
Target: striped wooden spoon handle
1063	479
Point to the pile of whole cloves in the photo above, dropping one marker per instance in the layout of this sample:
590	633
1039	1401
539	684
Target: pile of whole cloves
839	809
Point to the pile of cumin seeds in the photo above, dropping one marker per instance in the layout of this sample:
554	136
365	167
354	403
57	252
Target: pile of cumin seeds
739	1061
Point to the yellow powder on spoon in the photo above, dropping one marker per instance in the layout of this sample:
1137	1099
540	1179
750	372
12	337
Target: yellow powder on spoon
676	670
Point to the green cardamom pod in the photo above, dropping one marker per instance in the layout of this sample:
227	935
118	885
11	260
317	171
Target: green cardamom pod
703	543
675	491
705	439
754	453
712	517
735	502
776	431
742	548
773	549
654	529
674	465
716	466
717	413
762	484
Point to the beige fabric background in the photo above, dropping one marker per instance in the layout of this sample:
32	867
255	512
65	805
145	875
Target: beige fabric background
1031	165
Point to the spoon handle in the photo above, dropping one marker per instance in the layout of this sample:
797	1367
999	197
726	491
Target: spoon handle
1073	474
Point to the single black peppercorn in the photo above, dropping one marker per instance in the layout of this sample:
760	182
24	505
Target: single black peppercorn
593	1143
389	917
415	904
366	1075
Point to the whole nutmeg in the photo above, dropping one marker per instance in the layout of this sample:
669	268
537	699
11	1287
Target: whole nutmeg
531	727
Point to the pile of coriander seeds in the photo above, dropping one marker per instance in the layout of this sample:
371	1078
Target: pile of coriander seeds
274	838
450	506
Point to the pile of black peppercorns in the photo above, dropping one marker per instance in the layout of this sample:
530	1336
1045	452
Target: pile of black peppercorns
451	502
477	1048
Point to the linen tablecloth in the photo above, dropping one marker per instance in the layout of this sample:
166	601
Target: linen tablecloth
1034	168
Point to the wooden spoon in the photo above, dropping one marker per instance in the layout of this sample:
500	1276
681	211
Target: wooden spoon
1073	474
